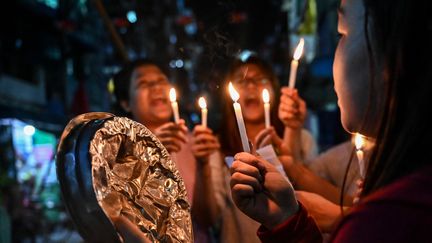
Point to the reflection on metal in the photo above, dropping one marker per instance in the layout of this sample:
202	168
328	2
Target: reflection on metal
112	166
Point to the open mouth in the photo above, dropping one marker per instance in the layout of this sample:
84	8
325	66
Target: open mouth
252	102
159	101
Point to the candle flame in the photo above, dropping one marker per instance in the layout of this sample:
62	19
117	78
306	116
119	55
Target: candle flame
265	96
359	141
299	50
202	103
233	93
172	95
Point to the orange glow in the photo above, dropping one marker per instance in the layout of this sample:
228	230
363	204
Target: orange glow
202	103
172	95
265	96
235	96
359	141
299	50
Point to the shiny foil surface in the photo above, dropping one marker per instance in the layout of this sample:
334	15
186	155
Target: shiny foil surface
134	176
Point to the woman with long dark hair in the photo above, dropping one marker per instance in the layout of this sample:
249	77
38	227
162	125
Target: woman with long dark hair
250	76
383	79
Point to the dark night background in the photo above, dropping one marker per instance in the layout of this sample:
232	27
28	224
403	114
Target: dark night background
57	57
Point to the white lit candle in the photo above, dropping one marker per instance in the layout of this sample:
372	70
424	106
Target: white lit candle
203	104
238	113
266	100
174	105
359	144
294	63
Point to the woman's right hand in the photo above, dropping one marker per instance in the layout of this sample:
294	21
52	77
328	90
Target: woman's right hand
172	135
260	191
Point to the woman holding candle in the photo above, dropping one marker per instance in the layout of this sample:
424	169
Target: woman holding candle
248	80
383	82
142	93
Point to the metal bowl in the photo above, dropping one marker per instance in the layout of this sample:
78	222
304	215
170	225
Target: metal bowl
110	166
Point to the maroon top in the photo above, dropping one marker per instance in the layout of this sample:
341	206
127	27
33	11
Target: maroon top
399	212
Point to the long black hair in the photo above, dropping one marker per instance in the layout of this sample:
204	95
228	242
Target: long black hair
398	33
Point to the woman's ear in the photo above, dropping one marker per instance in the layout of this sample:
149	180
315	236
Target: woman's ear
125	105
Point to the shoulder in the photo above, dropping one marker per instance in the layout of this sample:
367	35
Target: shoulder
415	188
399	212
333	159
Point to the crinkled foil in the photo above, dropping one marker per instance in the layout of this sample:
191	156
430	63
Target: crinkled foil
134	176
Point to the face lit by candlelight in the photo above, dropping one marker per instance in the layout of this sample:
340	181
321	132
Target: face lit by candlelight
148	92
249	80
351	69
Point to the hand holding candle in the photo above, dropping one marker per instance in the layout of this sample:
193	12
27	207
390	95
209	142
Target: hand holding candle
238	113
359	144
202	103
174	105
294	63
266	100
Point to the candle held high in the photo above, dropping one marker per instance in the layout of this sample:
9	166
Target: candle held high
239	117
294	63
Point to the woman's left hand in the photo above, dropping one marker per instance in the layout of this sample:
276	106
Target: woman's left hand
269	136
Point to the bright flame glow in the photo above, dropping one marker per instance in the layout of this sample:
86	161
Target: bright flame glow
29	130
265	96
299	50
233	93
202	103
172	95
359	141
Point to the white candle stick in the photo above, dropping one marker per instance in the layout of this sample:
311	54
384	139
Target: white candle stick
174	105
203	104
266	100
294	63
238	113
359	144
